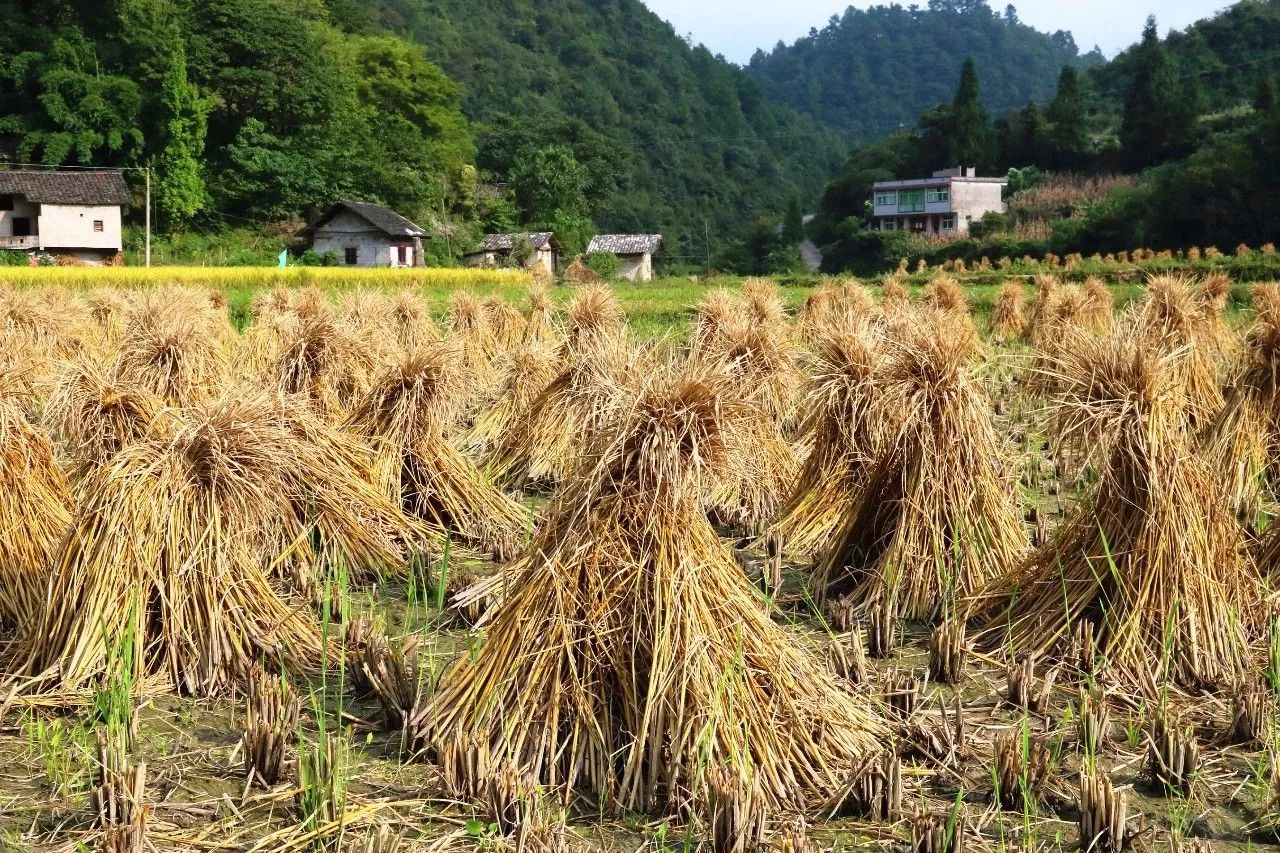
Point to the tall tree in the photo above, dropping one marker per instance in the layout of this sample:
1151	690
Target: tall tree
793	222
1264	99
971	135
1068	133
1158	122
180	191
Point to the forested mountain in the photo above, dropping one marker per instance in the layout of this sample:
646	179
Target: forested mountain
263	110
1193	120
867	73
672	138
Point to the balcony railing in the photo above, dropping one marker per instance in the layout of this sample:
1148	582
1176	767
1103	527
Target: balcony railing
20	243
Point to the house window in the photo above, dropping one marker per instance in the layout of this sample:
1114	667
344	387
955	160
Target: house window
911	201
351	254
888	225
6	202
947	223
886	199
97	226
22	226
937	195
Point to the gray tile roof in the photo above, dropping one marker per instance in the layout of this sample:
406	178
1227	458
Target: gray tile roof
540	240
66	187
626	244
384	219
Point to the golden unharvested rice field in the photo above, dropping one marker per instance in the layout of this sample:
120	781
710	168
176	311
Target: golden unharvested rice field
451	560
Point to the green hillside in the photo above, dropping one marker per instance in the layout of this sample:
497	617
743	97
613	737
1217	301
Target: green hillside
869	72
673	138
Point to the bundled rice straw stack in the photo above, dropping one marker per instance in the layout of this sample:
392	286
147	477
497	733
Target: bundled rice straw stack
94	416
321	361
166	550
1244	439
507	323
541	327
633	651
1151	556
544	440
893	294
405	418
1173	317
716	312
527	371
840	430
1009	314
759	362
175	345
944	293
35	513
1098	309
471	328
938	514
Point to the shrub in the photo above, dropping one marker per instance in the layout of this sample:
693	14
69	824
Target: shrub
12	259
991	223
604	264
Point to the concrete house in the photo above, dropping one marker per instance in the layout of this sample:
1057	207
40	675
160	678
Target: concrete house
366	235
495	251
636	252
75	213
947	203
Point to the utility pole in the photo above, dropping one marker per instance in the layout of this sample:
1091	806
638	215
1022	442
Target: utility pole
148	249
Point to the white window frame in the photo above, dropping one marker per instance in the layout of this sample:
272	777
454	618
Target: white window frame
947	222
886	198
937	195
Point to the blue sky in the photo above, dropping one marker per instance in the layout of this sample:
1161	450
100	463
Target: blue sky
736	28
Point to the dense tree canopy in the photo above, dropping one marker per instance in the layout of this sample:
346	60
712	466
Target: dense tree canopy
869	72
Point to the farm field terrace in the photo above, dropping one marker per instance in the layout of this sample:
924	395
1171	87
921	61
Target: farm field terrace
441	560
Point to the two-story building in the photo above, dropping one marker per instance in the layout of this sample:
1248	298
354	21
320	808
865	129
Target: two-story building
74	213
949	202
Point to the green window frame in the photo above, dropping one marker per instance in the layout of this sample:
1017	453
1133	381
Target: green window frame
937	195
911	201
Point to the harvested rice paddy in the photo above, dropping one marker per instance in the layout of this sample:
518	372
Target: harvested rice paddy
472	563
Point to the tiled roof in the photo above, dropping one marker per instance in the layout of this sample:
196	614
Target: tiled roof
626	244
540	240
384	219
66	187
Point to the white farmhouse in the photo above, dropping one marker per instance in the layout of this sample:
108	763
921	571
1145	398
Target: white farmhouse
366	235
59	212
495	250
949	202
636	252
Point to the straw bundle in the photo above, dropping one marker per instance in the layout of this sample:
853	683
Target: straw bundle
35	513
526	372
759	364
405	417
94	415
321	361
177	356
944	293
163	553
839	428
1170	319
893	294
1041	307
1244	439
546	437
595	317
716	311
1151	555
540	325
938	514
651	656
471	328
410	320
1098	311
507	323
817	310
762	302
1009	314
